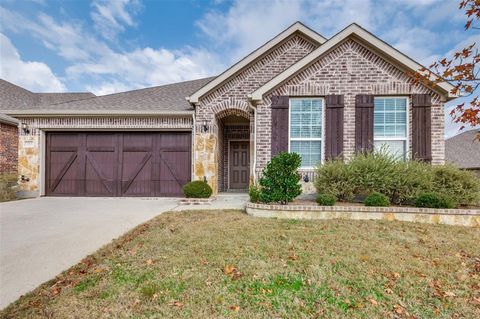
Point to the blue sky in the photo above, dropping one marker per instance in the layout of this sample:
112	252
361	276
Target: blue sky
110	46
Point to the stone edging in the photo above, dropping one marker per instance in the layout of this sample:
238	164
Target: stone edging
196	201
460	217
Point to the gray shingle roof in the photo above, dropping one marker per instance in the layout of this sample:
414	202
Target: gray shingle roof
463	150
165	98
4	118
14	97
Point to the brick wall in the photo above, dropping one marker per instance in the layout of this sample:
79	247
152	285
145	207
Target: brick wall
350	69
8	148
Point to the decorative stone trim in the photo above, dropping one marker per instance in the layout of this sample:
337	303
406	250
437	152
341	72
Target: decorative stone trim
164	122
197	201
231	107
459	217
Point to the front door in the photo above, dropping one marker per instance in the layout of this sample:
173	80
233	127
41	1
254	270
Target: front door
239	163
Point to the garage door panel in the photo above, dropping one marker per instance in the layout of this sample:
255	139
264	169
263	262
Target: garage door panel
118	163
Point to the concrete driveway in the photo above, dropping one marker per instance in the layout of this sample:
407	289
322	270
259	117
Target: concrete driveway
39	238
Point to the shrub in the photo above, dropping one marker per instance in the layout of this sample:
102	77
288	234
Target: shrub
376	199
280	179
411	178
434	200
463	186
197	189
8	184
326	199
254	193
373	172
335	177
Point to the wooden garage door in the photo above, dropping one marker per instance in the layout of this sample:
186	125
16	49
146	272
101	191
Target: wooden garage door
117	164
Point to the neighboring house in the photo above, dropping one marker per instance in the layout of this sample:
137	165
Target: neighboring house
8	144
300	92
464	151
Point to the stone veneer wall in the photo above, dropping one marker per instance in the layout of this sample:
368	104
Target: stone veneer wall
458	217
232	96
29	144
8	148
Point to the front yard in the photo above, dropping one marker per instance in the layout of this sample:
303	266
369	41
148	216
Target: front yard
225	264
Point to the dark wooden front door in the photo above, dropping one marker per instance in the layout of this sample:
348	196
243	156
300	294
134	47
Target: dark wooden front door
239	163
117	164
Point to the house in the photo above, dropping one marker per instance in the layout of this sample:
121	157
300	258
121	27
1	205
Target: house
300	92
463	150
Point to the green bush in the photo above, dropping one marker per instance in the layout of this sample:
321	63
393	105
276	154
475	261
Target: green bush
8	183
197	189
326	199
410	179
335	177
462	186
376	199
373	172
254	193
401	181
434	200
280	180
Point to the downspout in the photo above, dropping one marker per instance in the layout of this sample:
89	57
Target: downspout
254	140
192	177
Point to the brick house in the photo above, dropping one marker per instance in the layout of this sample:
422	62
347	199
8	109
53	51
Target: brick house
322	98
8	144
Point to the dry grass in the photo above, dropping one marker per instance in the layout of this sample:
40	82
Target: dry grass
225	264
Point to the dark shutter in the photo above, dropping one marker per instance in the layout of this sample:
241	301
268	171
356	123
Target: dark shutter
279	124
364	123
334	126
422	127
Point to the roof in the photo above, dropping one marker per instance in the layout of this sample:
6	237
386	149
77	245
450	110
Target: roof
353	30
297	27
463	150
14	97
4	118
165	99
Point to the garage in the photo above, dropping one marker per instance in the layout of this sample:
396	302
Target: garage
117	163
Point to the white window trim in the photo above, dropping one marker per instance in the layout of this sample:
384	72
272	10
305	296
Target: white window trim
321	139
407	123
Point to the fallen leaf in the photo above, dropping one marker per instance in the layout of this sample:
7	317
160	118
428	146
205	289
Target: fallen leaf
149	262
228	269
292	256
449	294
235	308
177	304
388	291
155	296
373	301
398	309
364	258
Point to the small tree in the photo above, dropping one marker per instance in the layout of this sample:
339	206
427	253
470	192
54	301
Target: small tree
280	179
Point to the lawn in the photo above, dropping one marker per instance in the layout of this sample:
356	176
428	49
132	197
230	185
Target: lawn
225	264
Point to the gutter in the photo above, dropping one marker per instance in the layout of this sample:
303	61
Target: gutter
50	113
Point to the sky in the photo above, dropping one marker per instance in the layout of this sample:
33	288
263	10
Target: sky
108	46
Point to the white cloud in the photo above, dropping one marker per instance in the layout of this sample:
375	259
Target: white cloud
111	16
32	75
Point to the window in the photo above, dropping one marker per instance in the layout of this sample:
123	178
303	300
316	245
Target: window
306	130
390	125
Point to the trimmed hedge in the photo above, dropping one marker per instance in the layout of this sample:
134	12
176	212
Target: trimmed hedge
376	199
326	199
401	181
434	200
197	189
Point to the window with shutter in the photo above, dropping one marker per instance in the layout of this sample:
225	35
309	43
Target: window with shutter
305	130
390	125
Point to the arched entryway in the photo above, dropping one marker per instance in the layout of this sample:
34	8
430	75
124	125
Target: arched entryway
234	150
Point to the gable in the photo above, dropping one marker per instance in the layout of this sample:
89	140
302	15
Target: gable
360	35
349	68
296	29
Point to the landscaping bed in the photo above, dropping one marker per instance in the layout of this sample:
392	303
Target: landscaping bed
226	264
